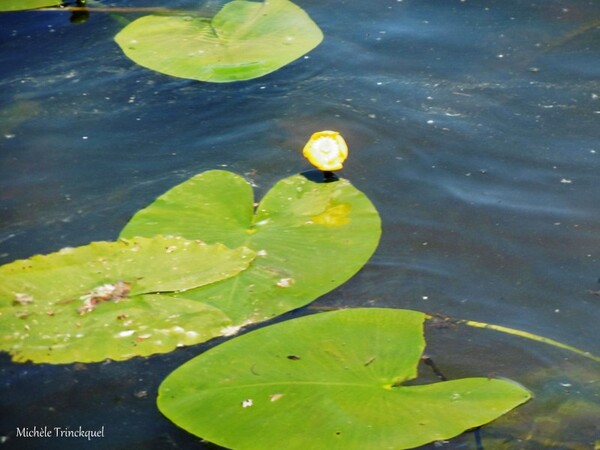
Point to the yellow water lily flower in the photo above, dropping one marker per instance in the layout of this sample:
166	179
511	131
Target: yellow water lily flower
326	150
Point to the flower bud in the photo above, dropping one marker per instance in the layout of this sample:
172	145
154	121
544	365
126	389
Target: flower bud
326	150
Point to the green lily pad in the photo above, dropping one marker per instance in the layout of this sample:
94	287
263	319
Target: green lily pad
18	5
113	299
244	40
328	381
309	238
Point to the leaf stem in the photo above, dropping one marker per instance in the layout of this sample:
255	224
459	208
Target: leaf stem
429	362
526	335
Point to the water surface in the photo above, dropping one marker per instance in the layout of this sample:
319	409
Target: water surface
473	126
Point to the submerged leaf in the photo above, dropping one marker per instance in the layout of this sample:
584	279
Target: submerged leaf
328	381
245	40
112	299
308	237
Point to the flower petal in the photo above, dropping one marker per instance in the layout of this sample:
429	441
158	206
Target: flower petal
326	150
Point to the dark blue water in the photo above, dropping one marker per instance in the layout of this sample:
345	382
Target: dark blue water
474	127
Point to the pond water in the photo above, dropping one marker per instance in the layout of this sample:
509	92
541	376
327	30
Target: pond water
473	126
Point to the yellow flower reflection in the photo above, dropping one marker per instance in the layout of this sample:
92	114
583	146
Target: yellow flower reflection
326	150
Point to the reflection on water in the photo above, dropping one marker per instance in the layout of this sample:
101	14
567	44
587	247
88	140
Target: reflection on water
473	127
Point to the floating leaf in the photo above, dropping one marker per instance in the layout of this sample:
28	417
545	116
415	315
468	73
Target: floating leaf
244	40
328	381
17	5
104	300
308	237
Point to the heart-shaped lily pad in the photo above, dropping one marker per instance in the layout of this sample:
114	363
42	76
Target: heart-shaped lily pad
328	381
113	299
309	238
245	40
